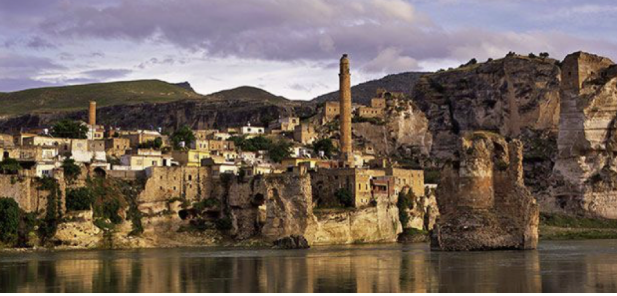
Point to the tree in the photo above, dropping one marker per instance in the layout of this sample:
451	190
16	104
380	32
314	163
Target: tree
532	55
279	151
9	166
344	197
404	203
9	220
67	128
326	146
183	134
544	55
79	199
152	144
71	170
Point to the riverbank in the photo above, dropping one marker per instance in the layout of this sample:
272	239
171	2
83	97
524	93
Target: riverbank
562	227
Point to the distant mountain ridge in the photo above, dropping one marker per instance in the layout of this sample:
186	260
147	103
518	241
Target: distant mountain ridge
363	92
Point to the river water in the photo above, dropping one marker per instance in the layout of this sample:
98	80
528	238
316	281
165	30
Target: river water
557	266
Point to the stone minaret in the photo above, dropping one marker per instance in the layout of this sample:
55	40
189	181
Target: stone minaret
345	117
92	114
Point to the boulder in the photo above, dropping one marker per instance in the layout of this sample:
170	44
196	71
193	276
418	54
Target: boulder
291	242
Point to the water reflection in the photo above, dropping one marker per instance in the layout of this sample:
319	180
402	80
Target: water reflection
558	266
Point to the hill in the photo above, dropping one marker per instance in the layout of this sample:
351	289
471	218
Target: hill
246	94
363	92
72	98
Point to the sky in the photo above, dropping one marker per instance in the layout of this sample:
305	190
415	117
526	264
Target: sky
288	47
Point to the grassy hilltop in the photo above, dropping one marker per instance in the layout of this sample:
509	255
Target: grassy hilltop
71	98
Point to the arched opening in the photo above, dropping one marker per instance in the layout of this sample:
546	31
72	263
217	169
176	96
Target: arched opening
259	199
100	173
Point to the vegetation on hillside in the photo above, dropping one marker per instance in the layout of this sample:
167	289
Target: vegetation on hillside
184	134
277	150
70	98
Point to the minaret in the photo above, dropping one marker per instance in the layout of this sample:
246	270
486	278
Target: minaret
345	116
92	114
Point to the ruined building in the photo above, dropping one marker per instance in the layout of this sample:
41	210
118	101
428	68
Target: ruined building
586	168
482	199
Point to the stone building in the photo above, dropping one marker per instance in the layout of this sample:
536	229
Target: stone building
330	111
305	133
578	67
116	147
164	183
379	103
370	112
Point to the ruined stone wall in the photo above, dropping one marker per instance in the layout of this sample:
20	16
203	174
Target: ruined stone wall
583	176
164	183
483	202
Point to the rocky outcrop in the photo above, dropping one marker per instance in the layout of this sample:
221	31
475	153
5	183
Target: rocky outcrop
483	202
586	168
291	242
277	206
507	96
404	132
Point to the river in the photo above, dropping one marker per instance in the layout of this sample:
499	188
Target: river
557	266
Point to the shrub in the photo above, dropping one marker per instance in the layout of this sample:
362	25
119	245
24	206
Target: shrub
67	128
71	170
404	203
344	197
152	144
205	203
9	220
544	55
183	134
279	151
49	225
224	224
532	55
79	199
326	146
9	166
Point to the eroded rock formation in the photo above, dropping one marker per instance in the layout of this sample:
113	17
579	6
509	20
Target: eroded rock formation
586	168
483	202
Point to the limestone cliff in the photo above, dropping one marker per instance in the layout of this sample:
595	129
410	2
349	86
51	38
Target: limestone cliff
586	167
483	202
506	96
277	206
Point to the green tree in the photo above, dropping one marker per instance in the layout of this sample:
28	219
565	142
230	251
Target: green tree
49	225
344	197
67	128
9	166
183	134
404	203
79	199
279	151
9	220
544	55
326	146
71	170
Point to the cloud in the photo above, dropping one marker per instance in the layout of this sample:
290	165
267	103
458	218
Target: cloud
105	74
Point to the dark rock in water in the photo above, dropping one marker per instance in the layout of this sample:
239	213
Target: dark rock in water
291	242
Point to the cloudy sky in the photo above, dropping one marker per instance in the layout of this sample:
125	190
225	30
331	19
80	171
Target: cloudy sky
288	47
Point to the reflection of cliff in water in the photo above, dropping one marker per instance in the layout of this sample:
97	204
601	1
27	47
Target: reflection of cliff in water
557	266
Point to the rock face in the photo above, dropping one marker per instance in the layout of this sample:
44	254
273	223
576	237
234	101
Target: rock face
483	202
586	168
507	96
405	130
278	206
291	242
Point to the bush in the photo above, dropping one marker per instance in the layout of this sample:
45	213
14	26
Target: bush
224	224
152	144
183	134
206	203
344	197
67	128
404	203
531	55
279	151
9	220
544	55
9	166
71	170
49	225
79	199
326	146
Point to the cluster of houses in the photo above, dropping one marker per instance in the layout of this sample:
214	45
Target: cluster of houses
125	152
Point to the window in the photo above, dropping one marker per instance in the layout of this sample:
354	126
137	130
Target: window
190	177
154	162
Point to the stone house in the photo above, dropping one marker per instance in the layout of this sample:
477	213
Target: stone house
331	110
116	147
370	112
305	134
191	157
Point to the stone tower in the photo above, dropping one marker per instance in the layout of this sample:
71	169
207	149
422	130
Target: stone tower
345	117
92	113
